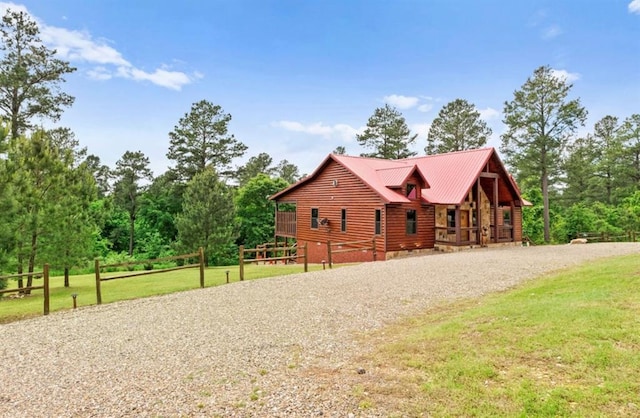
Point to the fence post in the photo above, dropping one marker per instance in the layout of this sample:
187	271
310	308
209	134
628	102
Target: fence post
98	292
306	265
45	277
329	253
375	255
241	262
201	254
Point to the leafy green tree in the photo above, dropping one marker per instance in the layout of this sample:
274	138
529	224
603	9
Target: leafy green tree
207	219
131	170
579	218
114	226
201	139
287	171
457	127
30	75
630	208
260	164
540	122
255	212
387	134
532	224
162	201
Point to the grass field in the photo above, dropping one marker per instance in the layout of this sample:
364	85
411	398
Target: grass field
563	345
84	286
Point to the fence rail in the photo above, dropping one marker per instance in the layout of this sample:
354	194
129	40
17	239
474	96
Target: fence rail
629	236
363	245
293	257
98	269
45	285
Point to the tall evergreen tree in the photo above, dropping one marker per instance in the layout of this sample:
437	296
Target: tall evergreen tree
579	168
101	174
71	241
630	135
201	139
387	134
287	171
340	150
540	121
30	75
260	164
457	127
131	170
608	168
207	219
37	178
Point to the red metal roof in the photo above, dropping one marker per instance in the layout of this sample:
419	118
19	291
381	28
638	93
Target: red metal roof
452	175
448	177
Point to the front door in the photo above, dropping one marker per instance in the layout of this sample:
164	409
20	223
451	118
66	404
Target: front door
464	225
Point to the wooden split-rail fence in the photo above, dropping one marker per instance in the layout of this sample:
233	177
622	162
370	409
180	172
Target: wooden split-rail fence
45	285
100	267
284	254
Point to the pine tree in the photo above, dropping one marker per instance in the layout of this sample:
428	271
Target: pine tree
387	134
457	127
30	76
540	122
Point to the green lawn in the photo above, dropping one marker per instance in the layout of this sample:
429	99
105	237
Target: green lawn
130	288
563	345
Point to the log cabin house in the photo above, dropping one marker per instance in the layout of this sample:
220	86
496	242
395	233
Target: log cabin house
445	202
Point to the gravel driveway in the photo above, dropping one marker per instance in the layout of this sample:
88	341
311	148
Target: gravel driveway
259	348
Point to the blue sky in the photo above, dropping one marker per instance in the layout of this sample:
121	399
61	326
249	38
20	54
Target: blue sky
302	77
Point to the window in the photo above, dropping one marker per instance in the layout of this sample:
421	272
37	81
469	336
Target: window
314	218
412	222
412	192
378	227
451	218
343	220
506	216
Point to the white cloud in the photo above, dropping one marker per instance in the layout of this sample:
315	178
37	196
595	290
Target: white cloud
551	32
15	7
488	113
425	107
341	130
565	75
401	102
99	73
422	129
79	46
634	7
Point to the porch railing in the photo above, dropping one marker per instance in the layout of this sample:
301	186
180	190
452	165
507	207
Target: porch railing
468	235
286	224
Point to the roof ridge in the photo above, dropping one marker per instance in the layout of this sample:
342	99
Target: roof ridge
448	153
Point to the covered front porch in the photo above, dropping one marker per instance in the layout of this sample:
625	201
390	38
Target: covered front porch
486	217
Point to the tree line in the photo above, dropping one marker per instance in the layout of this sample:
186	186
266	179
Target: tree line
587	183
60	204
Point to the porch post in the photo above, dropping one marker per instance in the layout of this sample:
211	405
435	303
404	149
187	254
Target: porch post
458	225
478	213
275	229
513	224
495	210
